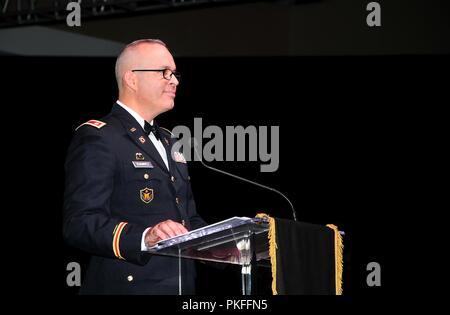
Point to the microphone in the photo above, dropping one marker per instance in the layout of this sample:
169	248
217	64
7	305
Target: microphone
194	145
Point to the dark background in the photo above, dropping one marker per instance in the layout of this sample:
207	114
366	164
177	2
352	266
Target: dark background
348	133
359	111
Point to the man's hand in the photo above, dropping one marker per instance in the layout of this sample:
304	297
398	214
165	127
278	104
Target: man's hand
162	231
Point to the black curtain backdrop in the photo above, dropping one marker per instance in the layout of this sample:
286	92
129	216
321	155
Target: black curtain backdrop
348	133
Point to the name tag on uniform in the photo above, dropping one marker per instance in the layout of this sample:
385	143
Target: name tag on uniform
142	164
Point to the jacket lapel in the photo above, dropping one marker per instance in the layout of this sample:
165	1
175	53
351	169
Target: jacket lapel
135	132
168	148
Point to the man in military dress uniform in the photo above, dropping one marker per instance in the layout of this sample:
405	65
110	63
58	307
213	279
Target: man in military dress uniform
125	189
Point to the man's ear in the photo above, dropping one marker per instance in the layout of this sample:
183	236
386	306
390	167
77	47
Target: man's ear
129	80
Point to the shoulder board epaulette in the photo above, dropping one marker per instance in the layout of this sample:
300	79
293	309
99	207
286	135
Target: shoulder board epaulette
168	131
94	123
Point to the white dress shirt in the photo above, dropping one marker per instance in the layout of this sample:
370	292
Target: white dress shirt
157	143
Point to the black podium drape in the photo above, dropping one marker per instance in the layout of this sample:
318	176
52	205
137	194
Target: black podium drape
306	258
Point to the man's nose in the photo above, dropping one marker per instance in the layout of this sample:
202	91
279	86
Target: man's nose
174	80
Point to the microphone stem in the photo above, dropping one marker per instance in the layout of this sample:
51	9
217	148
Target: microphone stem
251	182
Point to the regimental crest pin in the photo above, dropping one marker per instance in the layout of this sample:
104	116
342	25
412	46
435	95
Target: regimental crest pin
139	156
142	139
146	194
133	129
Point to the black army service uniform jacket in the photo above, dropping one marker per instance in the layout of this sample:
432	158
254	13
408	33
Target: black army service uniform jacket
116	186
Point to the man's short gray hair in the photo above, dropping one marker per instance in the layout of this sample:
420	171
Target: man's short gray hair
131	45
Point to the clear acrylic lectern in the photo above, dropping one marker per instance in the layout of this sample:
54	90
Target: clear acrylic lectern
238	240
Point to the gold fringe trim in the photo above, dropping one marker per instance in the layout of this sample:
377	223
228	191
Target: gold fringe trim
338	257
272	249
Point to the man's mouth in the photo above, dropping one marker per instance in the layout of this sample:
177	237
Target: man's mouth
171	93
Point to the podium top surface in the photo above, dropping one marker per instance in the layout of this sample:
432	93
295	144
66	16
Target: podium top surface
225	241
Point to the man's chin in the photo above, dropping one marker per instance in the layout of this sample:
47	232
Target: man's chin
168	107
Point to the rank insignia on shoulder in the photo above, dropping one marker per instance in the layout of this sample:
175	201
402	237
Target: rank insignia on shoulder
146	194
94	123
179	157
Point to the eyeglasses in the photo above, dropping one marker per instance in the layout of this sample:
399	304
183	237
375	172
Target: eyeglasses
167	73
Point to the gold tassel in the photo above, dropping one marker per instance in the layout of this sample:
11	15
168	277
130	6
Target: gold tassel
272	249
338	257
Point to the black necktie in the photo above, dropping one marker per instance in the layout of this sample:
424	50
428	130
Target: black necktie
152	128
